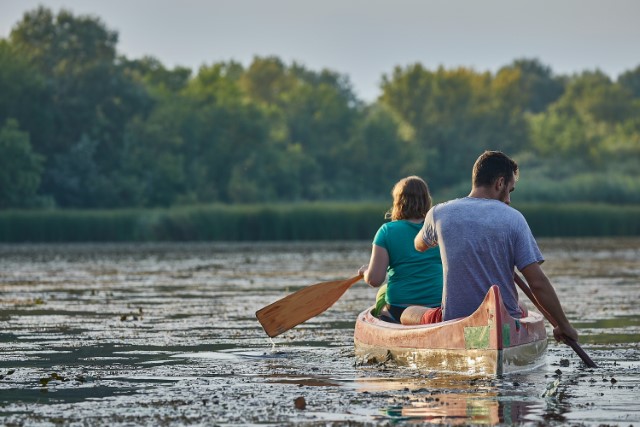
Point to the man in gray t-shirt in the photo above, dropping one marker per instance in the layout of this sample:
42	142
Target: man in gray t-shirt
480	242
482	239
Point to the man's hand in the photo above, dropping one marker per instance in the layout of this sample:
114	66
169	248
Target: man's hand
561	334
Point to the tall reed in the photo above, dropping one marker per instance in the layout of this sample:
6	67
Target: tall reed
295	221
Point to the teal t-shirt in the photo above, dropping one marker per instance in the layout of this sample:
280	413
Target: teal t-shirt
413	278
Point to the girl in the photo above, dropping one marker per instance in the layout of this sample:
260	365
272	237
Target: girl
414	278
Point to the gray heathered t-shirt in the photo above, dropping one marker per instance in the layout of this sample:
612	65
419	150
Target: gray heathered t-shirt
481	240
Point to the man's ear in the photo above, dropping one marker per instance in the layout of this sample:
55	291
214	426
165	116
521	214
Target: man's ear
498	183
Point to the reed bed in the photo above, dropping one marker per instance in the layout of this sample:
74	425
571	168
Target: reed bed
582	219
283	222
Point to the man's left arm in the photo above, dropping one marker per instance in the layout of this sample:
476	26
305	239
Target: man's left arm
548	299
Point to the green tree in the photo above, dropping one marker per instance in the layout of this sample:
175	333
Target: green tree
562	138
532	86
592	126
312	116
321	115
160	81
20	167
221	131
154	155
377	155
594	96
79	183
455	115
24	95
91	95
76	55
268	80
630	80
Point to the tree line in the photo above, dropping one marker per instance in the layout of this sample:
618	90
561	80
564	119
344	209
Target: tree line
82	126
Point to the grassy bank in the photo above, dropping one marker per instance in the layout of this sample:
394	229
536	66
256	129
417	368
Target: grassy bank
305	221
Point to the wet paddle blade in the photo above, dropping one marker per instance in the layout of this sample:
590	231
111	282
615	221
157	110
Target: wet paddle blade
302	305
582	354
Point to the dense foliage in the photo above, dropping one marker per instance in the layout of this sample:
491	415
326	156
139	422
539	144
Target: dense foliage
84	127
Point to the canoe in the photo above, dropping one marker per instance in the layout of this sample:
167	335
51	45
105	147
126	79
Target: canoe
488	342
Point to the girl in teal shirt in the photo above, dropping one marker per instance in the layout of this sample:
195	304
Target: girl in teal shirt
414	278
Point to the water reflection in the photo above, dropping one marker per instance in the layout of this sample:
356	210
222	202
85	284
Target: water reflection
460	410
166	334
452	400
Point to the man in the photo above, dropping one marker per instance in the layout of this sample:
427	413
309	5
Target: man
482	239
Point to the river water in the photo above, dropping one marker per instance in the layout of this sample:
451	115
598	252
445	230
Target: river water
165	334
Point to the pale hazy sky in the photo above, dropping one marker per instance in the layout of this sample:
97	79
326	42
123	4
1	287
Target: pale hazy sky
365	39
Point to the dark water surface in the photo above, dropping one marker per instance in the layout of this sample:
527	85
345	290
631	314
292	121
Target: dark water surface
165	334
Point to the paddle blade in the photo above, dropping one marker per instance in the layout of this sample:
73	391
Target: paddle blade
582	354
302	305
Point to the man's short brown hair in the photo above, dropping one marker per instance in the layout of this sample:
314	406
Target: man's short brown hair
490	166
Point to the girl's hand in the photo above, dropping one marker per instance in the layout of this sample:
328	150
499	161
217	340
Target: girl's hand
362	269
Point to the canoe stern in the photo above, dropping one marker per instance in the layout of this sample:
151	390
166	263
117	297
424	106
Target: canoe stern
488	342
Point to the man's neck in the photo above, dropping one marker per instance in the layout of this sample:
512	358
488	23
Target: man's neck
483	193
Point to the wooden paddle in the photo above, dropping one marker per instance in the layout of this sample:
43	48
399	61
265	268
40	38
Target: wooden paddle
302	305
572	343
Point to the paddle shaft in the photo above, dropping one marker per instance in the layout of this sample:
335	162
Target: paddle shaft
572	343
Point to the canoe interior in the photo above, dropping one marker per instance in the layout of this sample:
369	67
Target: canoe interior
488	342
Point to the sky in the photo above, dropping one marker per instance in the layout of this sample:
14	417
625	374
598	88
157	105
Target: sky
366	39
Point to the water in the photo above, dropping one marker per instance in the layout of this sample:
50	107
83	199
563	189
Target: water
165	334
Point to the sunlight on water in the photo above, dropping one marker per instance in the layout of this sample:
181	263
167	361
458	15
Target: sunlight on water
166	334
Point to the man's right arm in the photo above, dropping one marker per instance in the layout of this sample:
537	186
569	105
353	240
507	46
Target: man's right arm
428	230
422	243
547	297
419	243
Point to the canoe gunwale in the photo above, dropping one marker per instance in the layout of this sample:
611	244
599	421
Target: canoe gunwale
486	342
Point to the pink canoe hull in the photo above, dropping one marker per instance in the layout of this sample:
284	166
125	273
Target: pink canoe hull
488	342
